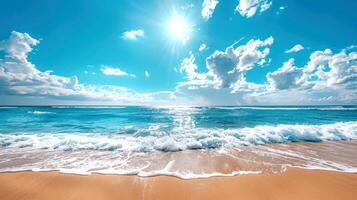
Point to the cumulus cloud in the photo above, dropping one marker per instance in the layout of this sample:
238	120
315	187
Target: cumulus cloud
113	71
208	7
230	66
227	69
286	77
202	47
19	77
295	48
327	77
133	34
194	78
333	70
248	8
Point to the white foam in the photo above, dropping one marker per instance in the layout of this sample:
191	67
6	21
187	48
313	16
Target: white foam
182	138
314	167
147	165
138	172
167	171
36	169
142	171
40	112
190	175
112	153
77	171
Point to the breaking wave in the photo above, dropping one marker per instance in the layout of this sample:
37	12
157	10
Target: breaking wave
40	112
152	139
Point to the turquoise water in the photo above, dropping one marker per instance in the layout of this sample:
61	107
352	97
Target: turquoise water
171	129
177	141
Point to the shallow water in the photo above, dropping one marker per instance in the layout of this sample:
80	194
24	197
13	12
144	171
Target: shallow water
199	142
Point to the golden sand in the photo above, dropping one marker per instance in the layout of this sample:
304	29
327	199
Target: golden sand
293	184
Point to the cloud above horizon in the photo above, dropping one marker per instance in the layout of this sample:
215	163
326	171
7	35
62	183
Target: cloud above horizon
208	7
202	47
113	71
133	34
295	49
248	8
327	78
227	69
19	77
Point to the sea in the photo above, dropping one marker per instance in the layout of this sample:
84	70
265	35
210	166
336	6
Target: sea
187	142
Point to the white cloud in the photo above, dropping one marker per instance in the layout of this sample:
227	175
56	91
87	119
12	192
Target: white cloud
333	70
18	75
133	34
112	71
324	70
328	78
189	67
147	74
208	7
227	69
295	48
281	9
230	66
286	77
21	79
249	8
202	47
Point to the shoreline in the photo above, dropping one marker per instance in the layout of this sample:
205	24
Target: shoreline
198	177
295	183
191	164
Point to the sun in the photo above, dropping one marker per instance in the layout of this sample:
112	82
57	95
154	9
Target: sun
179	29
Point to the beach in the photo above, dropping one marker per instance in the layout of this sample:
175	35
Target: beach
293	184
259	172
178	153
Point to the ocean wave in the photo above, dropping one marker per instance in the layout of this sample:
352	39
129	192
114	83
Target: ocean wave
184	165
87	107
177	139
7	107
40	112
336	108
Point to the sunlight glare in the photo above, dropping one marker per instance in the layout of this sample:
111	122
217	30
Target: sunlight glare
179	29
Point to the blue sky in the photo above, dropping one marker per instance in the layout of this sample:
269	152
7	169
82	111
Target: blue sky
147	52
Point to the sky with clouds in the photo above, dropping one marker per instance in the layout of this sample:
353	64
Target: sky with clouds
167	53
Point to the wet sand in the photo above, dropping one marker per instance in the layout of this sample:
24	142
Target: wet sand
271	160
293	184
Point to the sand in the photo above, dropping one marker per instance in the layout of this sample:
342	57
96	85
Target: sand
293	184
